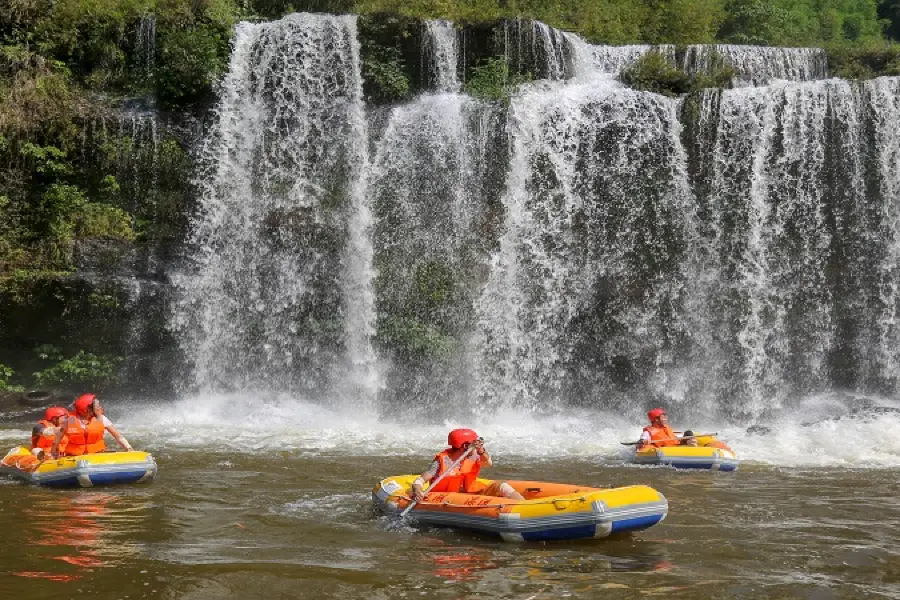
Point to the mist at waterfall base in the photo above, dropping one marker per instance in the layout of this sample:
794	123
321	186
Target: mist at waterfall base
731	257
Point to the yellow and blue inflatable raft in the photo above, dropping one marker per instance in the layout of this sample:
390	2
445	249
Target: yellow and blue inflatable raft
550	511
709	453
86	470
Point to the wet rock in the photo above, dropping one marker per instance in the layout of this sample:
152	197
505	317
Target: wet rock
104	255
9	400
759	430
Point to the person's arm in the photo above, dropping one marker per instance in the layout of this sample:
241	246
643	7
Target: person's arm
36	434
60	432
120	439
484	457
644	440
418	485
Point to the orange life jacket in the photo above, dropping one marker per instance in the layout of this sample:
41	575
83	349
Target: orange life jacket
45	440
661	436
84	439
461	478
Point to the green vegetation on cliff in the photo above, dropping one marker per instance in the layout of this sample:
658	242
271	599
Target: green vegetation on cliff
767	22
653	73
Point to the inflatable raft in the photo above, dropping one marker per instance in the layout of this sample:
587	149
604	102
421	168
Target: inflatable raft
709	453
550	511
86	470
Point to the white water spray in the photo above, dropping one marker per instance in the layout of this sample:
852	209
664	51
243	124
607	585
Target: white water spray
281	296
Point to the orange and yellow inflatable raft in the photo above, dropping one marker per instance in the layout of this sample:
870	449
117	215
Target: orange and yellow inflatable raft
709	453
86	470
550	511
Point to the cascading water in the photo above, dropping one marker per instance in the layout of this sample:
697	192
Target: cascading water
766	213
591	60
753	65
443	50
430	171
758	65
795	276
534	50
581	290
281	296
138	150
734	251
883	99
145	44
553	46
746	311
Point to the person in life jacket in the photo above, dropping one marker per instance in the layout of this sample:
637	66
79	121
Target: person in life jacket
85	428
462	478
44	432
658	434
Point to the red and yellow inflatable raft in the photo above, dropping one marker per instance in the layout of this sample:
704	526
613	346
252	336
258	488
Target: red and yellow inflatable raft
86	470
550	511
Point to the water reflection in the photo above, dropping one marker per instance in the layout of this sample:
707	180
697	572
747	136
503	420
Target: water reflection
83	530
463	564
537	567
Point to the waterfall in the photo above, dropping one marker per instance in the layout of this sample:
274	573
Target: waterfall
758	65
591	59
753	65
770	241
580	294
585	244
443	50
430	171
138	152
552	44
883	97
280	297
796	270
145	46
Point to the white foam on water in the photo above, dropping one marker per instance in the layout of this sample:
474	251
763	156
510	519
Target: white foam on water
821	431
327	507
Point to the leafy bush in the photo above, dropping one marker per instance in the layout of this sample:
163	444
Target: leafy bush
102	220
83	369
798	22
389	52
191	59
58	205
653	73
384	76
492	80
864	62
683	21
6	377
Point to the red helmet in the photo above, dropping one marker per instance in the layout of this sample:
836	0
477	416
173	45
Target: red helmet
458	437
82	403
55	411
655	413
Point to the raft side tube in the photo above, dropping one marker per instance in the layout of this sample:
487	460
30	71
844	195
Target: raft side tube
551	511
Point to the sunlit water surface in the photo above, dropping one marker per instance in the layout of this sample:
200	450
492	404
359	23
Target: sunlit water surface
258	499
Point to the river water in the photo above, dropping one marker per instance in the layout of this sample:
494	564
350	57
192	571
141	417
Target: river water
260	498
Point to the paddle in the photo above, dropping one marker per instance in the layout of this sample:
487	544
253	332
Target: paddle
444	474
687	437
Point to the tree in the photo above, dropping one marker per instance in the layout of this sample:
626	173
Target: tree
889	12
